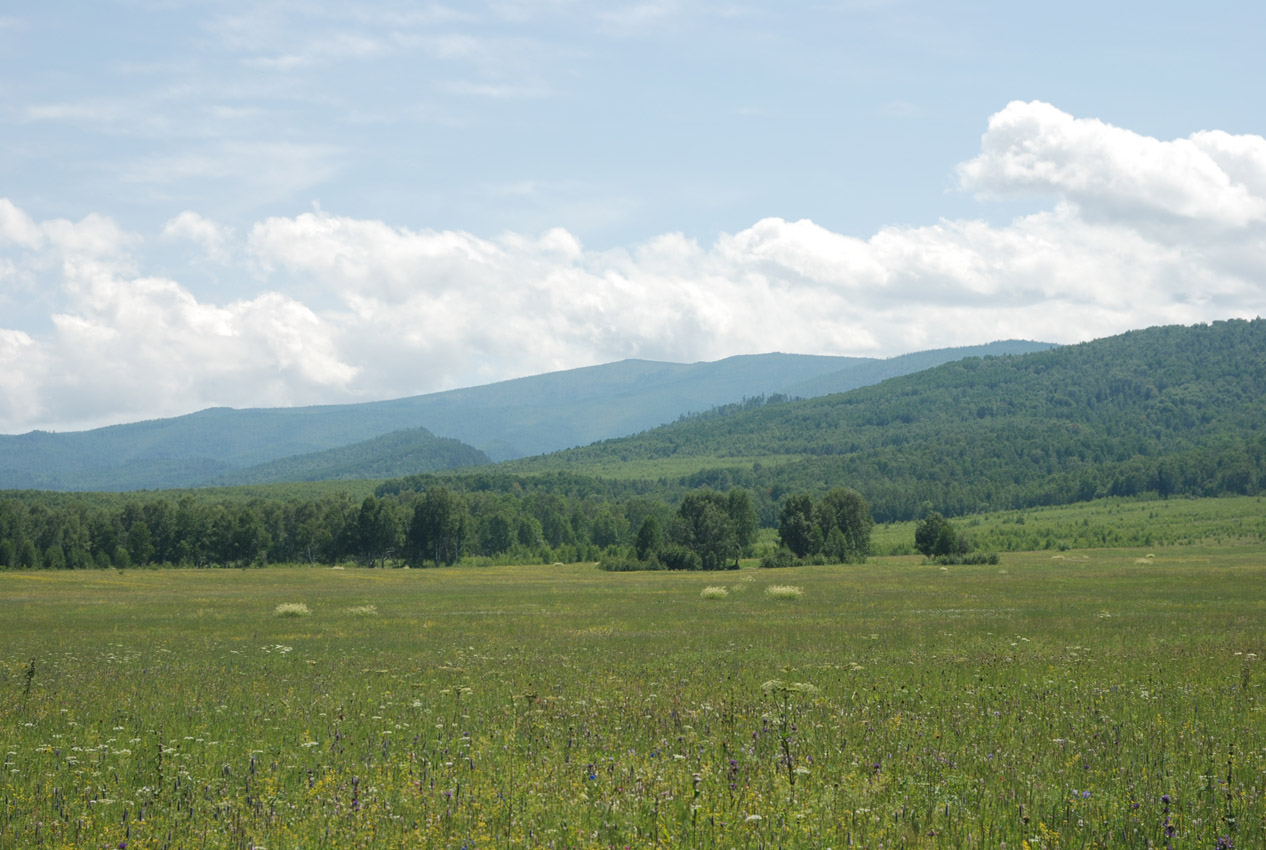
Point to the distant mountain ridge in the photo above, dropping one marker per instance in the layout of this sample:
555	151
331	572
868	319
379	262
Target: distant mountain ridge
873	372
508	419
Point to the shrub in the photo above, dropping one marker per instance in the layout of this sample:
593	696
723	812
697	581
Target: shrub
291	609
363	610
782	557
622	564
680	558
968	559
714	592
935	536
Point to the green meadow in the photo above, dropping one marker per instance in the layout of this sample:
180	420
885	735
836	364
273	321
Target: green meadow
1062	699
1230	520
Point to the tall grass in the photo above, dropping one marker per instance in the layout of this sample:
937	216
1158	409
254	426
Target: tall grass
1059	704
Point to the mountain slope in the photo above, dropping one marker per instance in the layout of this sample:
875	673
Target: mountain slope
505	420
403	452
1164	410
873	371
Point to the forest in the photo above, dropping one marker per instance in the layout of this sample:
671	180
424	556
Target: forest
706	531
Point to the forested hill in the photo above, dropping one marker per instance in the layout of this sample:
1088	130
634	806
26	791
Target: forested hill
403	452
508	419
1168	410
872	372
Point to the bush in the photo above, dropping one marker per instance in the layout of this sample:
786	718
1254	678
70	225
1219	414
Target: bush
714	592
291	609
622	564
968	559
680	558
940	541
782	557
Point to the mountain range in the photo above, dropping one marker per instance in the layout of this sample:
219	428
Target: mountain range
509	419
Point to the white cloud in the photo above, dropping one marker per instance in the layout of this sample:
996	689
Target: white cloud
93	238
17	227
1211	178
20	374
213	238
421	310
140	347
125	347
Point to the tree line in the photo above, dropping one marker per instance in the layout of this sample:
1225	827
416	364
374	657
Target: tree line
399	526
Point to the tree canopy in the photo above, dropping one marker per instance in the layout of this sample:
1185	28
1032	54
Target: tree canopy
837	527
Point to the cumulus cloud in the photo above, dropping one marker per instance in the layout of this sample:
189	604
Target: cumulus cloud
125	346
1138	232
213	238
17	228
19	374
1209	177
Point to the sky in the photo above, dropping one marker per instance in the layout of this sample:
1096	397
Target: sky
284	203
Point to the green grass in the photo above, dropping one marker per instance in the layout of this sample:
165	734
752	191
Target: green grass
1051	700
1103	523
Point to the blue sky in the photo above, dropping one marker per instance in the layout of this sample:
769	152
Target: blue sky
273	203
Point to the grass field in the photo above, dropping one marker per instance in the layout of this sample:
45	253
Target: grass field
1232	520
1109	698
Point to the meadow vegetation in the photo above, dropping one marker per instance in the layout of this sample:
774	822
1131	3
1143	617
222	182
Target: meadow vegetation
1103	523
1076	698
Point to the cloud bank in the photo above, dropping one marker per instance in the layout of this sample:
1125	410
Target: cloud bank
1137	231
